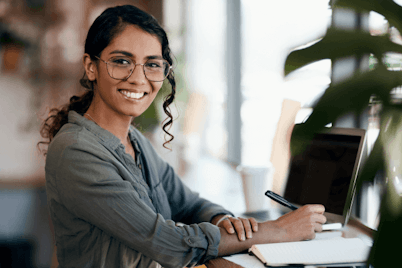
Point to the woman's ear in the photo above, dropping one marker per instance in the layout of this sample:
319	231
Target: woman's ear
90	67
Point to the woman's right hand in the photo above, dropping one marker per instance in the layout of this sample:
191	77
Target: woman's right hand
302	223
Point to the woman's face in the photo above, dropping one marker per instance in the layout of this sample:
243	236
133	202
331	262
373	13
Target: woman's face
133	96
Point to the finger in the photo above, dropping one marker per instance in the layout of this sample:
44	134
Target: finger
254	224
318	227
321	218
309	231
227	224
311	236
318	218
318	209
247	227
238	225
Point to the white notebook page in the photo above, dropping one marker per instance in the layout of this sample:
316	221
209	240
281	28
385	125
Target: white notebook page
315	251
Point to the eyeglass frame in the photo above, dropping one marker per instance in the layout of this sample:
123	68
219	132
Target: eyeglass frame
132	71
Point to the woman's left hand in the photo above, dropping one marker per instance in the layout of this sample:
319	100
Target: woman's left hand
244	227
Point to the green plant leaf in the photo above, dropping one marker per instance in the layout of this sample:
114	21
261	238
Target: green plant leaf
338	44
349	96
352	95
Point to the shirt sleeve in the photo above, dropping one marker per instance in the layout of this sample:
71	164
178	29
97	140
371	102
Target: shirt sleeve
186	205
91	188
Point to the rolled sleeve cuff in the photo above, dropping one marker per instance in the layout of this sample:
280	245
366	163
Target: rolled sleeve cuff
209	241
213	236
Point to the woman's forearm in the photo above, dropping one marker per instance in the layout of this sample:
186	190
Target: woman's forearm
301	224
268	232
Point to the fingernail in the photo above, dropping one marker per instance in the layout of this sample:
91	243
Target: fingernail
243	238
231	230
249	236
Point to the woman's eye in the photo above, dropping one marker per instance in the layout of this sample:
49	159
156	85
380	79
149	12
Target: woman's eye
154	64
120	61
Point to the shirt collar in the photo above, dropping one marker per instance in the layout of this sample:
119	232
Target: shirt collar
101	133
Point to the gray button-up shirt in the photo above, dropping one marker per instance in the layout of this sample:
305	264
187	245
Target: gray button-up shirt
106	214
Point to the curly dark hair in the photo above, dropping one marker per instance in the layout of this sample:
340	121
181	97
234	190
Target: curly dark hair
105	28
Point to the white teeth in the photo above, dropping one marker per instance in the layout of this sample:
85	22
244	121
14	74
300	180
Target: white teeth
132	95
136	95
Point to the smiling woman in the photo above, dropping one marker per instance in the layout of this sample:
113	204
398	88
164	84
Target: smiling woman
113	201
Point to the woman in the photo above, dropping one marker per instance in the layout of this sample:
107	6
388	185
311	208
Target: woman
113	201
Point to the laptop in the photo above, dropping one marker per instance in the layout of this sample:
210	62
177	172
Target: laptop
325	173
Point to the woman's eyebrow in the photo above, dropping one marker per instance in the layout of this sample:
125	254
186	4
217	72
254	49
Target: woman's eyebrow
155	57
122	52
128	54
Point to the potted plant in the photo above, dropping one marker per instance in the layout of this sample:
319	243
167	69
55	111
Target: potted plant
353	95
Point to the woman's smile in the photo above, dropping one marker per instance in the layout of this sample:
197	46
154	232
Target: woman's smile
133	96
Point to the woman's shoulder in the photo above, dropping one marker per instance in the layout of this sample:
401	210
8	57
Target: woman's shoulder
71	136
78	130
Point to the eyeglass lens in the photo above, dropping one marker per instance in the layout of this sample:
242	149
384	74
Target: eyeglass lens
122	68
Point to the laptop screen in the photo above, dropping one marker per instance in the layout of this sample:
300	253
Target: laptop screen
324	172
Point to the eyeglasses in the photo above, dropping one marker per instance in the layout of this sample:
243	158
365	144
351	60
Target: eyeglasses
121	68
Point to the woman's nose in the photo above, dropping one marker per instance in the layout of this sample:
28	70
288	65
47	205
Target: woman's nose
138	75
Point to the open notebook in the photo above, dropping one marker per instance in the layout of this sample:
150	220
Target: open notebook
325	173
313	252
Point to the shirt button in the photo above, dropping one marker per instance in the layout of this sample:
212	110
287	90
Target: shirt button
190	241
139	165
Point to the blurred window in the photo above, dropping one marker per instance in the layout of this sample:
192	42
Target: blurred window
206	73
270	30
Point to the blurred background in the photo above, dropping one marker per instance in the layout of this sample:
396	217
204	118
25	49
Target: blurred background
232	98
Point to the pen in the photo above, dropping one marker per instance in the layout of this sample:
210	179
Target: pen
280	200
